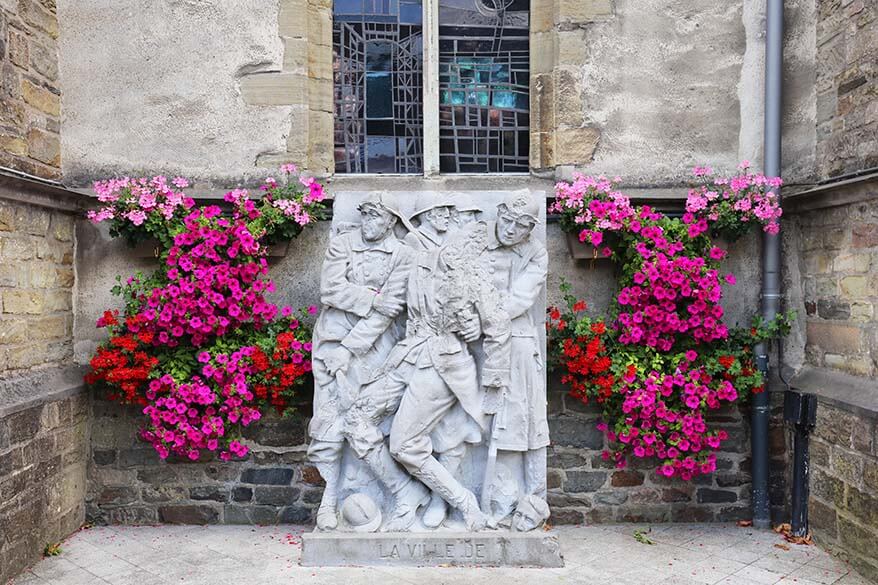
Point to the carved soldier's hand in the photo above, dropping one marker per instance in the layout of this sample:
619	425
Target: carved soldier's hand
388	303
337	359
471	329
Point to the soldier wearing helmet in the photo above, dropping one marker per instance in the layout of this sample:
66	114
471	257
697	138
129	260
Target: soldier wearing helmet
362	290
517	265
466	211
432	219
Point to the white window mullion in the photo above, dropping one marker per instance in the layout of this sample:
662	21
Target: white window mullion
431	87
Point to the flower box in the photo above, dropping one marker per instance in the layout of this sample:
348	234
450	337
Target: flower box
150	248
581	250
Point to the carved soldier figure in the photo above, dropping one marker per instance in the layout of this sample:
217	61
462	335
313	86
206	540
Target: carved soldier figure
430	372
517	265
466	211
362	290
456	428
432	219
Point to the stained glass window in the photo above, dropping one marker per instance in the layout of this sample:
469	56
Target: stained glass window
484	83
483	118
378	75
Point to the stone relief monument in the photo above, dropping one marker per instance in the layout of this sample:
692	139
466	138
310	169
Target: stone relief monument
429	423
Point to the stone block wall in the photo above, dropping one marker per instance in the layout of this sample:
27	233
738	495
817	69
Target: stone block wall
30	95
847	73
43	452
36	286
560	133
843	507
303	82
130	484
585	488
838	261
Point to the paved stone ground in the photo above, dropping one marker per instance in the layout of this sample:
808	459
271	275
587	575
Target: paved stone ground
690	554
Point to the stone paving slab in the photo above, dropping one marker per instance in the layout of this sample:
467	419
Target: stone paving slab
681	554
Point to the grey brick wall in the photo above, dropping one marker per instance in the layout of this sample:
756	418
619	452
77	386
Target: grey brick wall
844	485
43	453
129	484
838	261
585	488
847	111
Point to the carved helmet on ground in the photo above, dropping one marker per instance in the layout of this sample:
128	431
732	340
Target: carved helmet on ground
359	513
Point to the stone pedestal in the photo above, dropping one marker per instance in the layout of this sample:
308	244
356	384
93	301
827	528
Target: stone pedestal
538	548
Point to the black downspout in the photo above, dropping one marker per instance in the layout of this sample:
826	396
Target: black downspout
770	258
800	411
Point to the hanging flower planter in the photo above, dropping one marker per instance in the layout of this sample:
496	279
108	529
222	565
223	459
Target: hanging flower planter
150	248
582	250
198	347
663	358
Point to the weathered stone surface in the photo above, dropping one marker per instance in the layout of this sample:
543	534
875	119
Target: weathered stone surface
41	98
626	479
832	337
311	475
209	492
13	145
18	48
575	431
296	515
118	495
712	496
614	498
278	432
31	514
270	476
575	146
37	16
276	495
569	459
274	89
833	309
207	128
677	494
242	494
584	481
44	60
528	549
584	11
153	494
44	146
189	514
846	466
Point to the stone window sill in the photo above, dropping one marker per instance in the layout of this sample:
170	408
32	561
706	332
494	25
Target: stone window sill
29	389
852	393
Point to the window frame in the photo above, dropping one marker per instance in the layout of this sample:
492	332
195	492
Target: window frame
430	103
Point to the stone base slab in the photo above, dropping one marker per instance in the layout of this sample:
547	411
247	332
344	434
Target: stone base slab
432	549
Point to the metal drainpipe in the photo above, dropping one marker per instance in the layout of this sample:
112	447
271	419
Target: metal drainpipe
770	258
